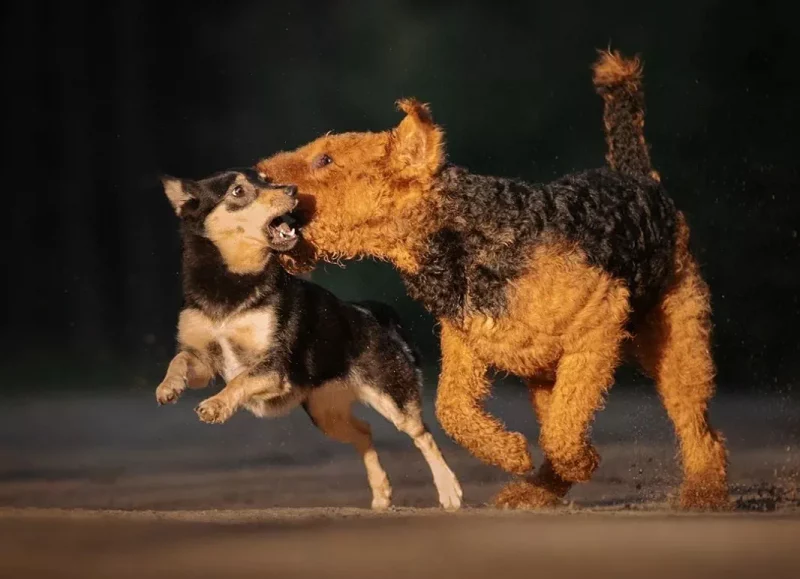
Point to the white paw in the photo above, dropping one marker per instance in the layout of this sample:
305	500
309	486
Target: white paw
450	493
382	497
381	503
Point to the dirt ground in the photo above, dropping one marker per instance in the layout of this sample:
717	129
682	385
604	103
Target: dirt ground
114	486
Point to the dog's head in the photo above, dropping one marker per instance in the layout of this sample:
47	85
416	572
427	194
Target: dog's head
357	190
243	215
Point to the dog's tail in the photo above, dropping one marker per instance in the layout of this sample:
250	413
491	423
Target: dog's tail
619	82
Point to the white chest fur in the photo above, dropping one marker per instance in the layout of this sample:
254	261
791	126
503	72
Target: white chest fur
242	336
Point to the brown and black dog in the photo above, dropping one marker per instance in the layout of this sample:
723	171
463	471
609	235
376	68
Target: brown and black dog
551	282
281	342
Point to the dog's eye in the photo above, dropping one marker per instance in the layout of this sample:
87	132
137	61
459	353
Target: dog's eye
237	192
321	160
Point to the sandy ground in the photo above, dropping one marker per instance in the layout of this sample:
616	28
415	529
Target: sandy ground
114	486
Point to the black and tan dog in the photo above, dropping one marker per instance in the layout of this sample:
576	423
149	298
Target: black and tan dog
281	342
552	282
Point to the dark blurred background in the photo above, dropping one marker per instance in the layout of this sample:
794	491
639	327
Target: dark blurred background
102	98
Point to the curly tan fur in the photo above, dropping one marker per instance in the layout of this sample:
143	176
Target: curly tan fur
463	387
545	488
574	330
611	68
673	348
559	310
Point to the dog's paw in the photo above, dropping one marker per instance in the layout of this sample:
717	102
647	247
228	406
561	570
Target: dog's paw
450	493
512	455
168	392
576	465
705	495
214	411
525	495
450	496
382	496
381	503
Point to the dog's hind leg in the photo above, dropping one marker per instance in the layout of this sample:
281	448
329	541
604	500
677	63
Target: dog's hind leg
545	488
408	419
330	410
673	348
463	386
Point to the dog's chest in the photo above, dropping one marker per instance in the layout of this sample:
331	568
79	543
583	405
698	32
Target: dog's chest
231	344
454	277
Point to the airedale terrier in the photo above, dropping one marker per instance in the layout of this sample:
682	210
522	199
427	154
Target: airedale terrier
281	342
551	282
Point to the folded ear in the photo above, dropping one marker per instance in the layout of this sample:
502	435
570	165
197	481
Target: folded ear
301	260
177	191
417	143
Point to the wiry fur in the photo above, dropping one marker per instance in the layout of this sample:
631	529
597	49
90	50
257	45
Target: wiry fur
281	342
619	82
624	225
551	282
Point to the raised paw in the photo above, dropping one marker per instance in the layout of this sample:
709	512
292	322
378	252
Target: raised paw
516	458
575	464
512	454
214	410
525	495
168	392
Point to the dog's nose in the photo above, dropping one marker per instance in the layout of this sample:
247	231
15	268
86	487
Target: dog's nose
291	190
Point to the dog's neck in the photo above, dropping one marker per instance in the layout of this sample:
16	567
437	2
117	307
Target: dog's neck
399	240
408	243
209	285
403	241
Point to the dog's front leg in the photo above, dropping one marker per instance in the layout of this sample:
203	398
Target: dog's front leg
463	386
253	382
186	368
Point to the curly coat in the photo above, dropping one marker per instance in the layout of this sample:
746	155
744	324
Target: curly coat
550	282
623	224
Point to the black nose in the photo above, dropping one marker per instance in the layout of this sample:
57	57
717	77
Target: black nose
291	190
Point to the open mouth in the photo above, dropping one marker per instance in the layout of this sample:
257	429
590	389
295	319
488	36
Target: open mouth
284	232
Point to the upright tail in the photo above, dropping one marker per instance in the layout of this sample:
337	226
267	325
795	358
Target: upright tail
619	82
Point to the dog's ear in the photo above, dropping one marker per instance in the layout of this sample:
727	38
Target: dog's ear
178	191
301	260
417	143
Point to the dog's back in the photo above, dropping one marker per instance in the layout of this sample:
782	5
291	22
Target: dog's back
389	319
324	339
622	223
